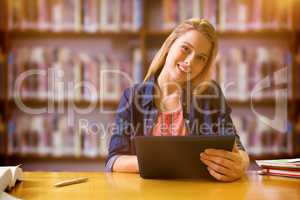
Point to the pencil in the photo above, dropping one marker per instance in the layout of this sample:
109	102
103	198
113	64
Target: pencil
70	182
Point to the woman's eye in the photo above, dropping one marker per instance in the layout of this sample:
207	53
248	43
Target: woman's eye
202	58
185	49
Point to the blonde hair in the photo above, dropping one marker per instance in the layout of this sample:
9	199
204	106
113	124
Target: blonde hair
204	27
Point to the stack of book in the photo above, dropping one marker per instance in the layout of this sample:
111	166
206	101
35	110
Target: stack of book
280	167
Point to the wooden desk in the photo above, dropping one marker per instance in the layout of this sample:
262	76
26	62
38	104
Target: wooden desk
39	185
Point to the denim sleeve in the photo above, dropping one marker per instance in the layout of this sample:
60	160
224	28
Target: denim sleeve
120	139
229	128
224	118
227	125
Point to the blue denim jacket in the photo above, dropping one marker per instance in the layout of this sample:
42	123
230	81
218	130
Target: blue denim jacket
206	114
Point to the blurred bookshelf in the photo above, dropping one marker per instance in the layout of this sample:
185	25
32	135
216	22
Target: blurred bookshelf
81	37
66	34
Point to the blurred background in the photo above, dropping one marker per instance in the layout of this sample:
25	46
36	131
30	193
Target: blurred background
51	120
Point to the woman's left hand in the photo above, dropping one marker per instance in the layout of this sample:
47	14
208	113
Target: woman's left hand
224	165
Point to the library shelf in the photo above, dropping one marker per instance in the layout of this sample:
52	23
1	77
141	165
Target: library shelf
25	158
257	33
31	158
237	33
261	102
268	156
35	102
68	34
155	33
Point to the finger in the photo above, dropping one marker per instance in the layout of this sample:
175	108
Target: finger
235	149
219	160
218	168
217	175
221	153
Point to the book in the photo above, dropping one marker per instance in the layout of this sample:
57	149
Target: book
110	15
9	175
276	172
90	15
137	66
280	167
281	164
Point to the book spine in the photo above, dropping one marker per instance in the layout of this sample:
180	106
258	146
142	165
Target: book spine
137	14
137	66
57	15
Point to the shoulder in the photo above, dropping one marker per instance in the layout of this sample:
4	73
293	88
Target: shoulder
138	88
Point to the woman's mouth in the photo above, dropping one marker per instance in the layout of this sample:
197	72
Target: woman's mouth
183	68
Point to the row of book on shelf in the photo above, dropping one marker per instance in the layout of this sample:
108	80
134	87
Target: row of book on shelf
54	134
66	15
60	73
116	15
260	138
240	69
239	72
233	14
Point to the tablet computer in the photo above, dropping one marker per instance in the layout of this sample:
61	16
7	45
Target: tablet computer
165	157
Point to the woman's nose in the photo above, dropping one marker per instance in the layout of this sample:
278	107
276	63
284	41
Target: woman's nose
188	60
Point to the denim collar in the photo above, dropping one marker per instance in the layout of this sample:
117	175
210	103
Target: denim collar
149	90
149	86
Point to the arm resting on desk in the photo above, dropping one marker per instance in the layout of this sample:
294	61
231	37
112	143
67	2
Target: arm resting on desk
126	163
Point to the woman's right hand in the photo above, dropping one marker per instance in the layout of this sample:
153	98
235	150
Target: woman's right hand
126	163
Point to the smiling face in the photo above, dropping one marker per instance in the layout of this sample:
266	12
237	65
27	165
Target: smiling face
187	57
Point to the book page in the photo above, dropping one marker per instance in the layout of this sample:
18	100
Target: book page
15	173
5	196
5	178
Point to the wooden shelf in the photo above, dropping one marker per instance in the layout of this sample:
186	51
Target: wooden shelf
68	34
271	156
258	34
50	158
22	158
263	102
157	33
115	103
82	103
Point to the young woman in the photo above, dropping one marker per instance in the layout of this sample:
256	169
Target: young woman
178	98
